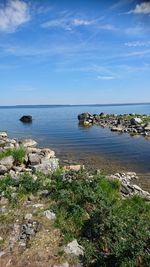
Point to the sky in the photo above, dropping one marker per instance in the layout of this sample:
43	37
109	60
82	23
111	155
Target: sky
74	52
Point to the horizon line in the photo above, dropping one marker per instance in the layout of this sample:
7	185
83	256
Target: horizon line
67	105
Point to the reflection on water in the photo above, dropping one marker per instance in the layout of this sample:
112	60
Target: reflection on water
57	127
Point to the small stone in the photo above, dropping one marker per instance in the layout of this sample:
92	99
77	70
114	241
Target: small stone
74	167
49	215
2	253
28	216
4	201
13	195
74	248
66	264
38	205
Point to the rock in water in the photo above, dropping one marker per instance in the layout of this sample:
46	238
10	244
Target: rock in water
147	126
28	143
26	118
3	134
135	121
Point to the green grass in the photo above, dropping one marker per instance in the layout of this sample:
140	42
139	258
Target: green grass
17	153
114	231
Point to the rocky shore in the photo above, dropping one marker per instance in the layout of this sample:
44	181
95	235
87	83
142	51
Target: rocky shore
44	160
133	124
34	159
24	167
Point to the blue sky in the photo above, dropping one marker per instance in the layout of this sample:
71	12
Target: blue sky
74	52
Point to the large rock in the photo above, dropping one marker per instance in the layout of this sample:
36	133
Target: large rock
3	169
135	121
7	162
74	248
26	118
147	127
117	129
103	115
3	134
48	153
34	158
47	166
28	143
83	116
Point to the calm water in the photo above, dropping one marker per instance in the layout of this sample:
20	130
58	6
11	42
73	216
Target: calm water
57	127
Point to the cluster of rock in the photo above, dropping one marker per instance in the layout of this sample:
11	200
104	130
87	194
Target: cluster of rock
134	124
128	188
36	159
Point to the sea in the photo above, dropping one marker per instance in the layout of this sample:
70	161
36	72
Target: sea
56	127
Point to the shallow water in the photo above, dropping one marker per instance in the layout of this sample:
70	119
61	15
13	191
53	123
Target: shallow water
57	127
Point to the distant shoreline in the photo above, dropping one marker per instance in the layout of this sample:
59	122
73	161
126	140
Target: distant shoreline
73	105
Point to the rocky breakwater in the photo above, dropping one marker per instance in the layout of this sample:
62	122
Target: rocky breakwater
133	124
17	157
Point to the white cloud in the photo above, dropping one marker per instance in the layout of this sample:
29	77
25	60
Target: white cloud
82	22
138	53
67	23
13	14
136	31
137	44
105	78
108	27
143	8
121	3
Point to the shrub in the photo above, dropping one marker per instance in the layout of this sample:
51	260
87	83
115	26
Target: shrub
113	231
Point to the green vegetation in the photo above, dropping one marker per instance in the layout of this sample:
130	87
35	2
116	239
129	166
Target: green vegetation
144	117
114	231
17	153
